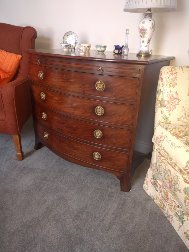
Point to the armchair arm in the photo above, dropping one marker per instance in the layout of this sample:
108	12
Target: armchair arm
172	98
17	101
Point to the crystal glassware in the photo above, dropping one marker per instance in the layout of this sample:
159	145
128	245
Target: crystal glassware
125	50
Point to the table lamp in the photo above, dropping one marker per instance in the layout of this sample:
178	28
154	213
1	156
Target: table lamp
147	24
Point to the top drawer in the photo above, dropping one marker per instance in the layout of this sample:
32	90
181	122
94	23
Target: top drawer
118	87
88	66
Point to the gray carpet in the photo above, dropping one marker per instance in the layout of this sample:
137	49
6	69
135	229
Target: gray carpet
50	205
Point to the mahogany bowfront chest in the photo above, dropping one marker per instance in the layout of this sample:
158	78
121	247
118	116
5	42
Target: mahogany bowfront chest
86	108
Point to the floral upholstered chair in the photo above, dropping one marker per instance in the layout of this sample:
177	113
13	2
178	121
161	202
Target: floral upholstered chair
167	179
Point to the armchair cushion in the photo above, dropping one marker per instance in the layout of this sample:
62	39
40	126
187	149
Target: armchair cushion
9	63
173	143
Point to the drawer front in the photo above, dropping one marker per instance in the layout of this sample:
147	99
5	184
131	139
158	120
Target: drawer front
82	107
84	130
86	83
101	157
87	65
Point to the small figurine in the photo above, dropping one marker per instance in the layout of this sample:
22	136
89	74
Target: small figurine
118	49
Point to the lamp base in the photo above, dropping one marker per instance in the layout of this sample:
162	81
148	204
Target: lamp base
143	54
146	29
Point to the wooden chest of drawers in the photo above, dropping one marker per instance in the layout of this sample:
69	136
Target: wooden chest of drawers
86	108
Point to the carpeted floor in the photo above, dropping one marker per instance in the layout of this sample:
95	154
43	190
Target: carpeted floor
50	205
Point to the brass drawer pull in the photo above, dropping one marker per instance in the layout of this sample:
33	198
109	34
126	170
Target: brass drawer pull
100	69
100	85
44	116
42	96
98	133
97	156
99	110
41	75
38	62
45	135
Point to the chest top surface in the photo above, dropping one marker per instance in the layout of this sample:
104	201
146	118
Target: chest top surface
107	56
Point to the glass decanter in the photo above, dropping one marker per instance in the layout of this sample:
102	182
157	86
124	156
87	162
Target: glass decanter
125	50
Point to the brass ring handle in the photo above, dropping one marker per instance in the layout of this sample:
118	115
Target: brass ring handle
99	110
97	156
98	133
100	85
41	75
44	116
42	96
45	135
100	69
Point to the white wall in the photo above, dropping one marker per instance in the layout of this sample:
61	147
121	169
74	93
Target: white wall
99	21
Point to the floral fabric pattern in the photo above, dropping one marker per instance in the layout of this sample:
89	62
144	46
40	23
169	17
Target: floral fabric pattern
172	95
167	179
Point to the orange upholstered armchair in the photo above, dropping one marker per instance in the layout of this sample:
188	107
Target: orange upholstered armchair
15	102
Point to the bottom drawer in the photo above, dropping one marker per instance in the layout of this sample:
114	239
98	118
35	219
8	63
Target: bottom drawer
100	157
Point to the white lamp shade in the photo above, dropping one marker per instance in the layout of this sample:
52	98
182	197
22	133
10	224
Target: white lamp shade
154	5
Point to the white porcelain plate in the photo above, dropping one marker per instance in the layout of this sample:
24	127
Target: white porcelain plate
70	38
